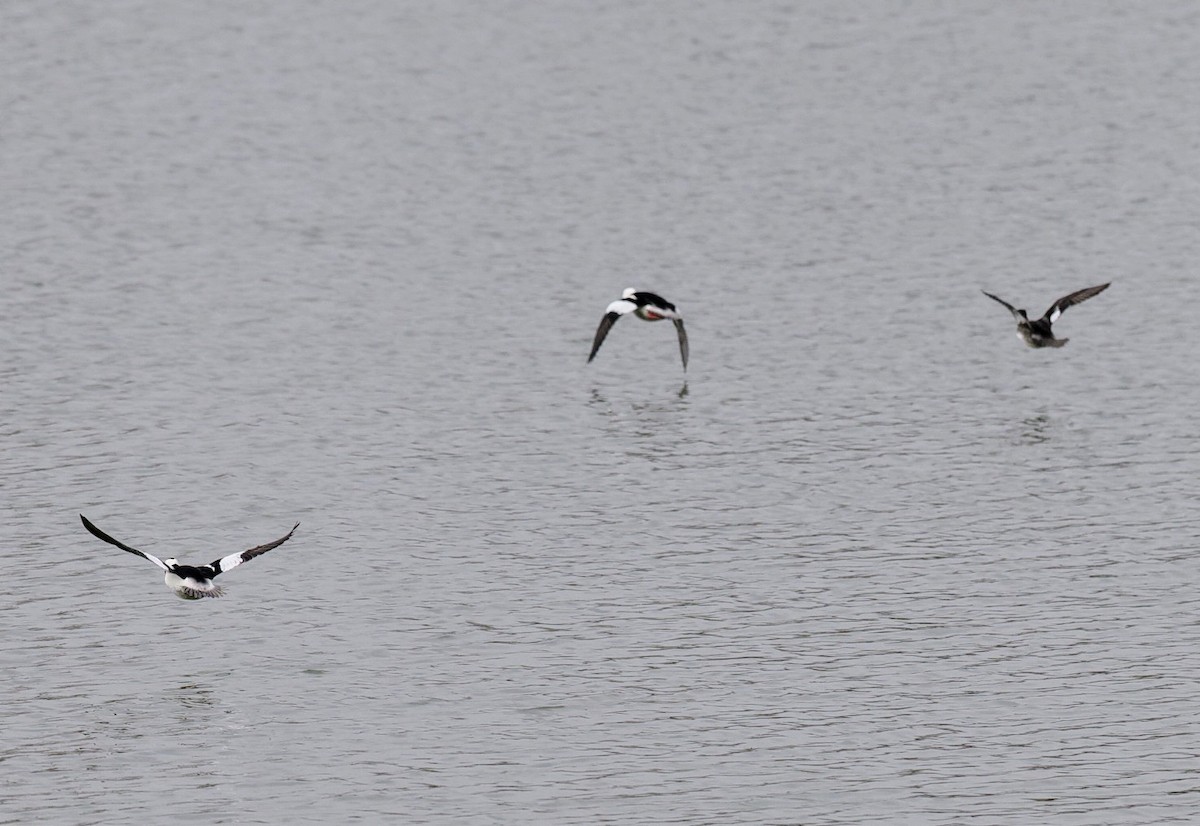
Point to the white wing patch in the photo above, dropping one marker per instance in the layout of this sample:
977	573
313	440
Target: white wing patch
230	562
155	560
621	307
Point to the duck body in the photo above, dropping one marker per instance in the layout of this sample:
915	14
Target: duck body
646	306
192	581
1039	332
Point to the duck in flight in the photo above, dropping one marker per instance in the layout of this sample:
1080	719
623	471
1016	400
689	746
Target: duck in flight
192	581
1037	333
646	306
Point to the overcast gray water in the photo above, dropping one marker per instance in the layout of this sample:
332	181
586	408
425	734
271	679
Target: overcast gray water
341	264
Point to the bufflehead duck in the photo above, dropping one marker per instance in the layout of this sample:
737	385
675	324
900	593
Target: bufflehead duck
646	306
1037	333
192	581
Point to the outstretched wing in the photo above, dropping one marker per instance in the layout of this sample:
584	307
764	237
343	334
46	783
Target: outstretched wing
615	310
606	324
233	560
1016	313
683	342
1056	309
102	535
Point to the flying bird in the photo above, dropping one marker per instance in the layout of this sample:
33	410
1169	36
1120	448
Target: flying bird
646	306
192	581
1037	333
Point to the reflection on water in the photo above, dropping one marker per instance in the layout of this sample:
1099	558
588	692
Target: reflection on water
619	404
198	703
194	695
1033	430
641	427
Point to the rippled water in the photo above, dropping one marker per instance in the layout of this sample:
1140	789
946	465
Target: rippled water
875	562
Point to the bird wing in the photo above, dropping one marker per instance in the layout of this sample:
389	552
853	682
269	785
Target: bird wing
1010	307
1056	309
683	342
102	535
606	324
653	300
614	311
233	560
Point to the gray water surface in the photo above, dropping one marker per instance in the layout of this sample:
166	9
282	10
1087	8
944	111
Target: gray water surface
876	562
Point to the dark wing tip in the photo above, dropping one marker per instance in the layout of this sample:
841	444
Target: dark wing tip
1085	293
1001	301
683	341
1077	297
99	534
92	529
262	549
606	324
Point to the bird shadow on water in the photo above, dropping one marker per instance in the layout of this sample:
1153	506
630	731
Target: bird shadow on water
640	425
609	406
193	695
196	699
1034	430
